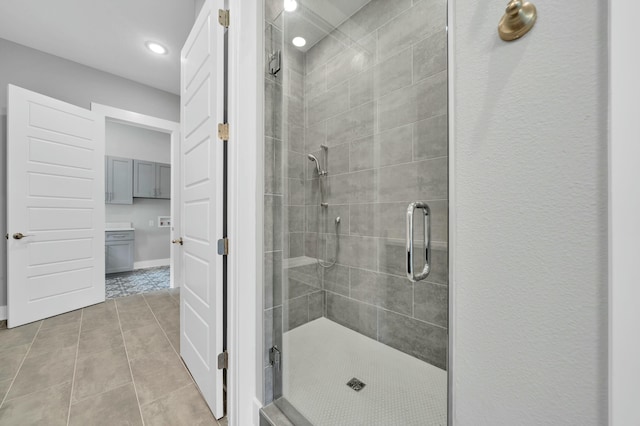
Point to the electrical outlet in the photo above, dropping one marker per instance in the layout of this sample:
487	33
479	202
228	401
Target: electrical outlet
151	223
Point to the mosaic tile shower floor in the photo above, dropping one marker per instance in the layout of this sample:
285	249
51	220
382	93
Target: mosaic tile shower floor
136	282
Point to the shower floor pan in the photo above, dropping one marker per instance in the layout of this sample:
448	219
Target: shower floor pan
321	357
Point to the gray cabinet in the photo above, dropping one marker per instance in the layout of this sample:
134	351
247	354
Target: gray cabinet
151	180
163	178
118	251
118	176
144	179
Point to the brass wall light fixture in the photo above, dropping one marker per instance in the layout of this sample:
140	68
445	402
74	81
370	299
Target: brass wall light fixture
518	19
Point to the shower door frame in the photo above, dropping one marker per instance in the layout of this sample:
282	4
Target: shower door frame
250	68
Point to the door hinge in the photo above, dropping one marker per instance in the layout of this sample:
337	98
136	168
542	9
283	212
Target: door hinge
223	361
223	246
223	17
223	131
274	357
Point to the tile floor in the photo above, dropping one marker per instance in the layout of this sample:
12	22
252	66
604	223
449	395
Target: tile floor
115	363
137	282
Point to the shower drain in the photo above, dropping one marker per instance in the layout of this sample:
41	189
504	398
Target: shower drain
356	384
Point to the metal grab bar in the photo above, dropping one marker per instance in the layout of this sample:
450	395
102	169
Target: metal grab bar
427	241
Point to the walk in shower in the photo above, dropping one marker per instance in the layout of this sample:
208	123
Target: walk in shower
355	144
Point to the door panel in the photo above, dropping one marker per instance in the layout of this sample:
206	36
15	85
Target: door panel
201	304
55	181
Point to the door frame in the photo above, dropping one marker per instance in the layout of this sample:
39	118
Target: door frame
104	113
624	348
624	210
245	180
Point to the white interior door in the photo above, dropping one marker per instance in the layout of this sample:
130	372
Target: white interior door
55	198
201	199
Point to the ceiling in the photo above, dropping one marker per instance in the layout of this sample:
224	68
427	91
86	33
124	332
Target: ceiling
105	34
314	19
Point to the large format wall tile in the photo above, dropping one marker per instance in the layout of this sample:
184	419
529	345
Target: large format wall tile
431	303
412	103
361	88
272	222
272	166
328	104
353	124
394	73
272	272
357	187
372	16
315	82
345	64
355	315
419	339
430	138
273	109
430	56
336	279
425	18
322	51
424	180
384	149
359	252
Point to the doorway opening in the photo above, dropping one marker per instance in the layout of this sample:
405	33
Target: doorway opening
141	213
137	210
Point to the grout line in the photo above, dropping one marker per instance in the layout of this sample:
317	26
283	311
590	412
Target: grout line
75	366
169	340
124	344
4	399
380	307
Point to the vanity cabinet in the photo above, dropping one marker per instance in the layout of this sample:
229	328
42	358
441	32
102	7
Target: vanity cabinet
118	251
118	176
151	180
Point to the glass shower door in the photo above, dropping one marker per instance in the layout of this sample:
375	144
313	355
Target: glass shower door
355	132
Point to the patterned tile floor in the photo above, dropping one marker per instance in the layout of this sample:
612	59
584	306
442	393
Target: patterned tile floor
136	282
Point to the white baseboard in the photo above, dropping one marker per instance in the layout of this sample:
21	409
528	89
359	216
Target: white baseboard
3	312
151	263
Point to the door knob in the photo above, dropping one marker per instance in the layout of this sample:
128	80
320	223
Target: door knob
19	236
178	241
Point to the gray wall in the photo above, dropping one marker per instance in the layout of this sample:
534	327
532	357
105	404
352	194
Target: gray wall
73	83
151	242
531	216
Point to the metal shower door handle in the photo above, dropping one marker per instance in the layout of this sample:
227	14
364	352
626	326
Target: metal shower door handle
427	241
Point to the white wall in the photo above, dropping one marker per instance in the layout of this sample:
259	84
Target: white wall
127	141
530	199
73	83
122	140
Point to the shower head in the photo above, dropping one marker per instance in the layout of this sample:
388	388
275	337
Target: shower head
313	158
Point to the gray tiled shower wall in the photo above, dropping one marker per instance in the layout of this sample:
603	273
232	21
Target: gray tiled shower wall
375	91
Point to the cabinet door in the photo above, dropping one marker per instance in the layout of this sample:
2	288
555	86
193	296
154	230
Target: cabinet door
163	180
119	256
144	179
119	180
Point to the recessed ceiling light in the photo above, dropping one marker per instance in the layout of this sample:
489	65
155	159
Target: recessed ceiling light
156	48
299	41
290	5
